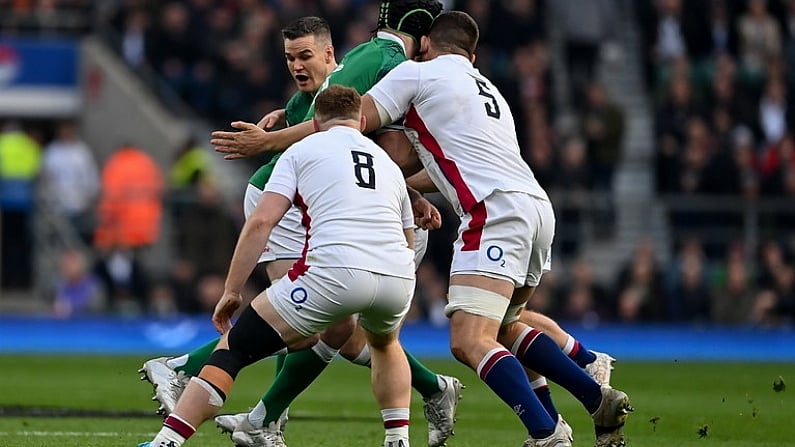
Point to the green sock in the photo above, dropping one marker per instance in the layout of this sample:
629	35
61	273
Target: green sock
300	369
196	358
422	379
280	363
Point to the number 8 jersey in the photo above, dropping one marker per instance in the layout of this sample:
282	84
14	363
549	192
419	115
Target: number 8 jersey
461	127
354	202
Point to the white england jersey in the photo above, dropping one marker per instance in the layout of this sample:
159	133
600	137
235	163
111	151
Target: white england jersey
354	201
461	126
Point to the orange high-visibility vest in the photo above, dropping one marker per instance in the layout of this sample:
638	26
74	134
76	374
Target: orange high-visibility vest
131	202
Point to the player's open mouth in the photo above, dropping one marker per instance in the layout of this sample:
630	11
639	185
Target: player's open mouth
301	78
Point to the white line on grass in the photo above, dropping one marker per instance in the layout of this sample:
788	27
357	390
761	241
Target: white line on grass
106	434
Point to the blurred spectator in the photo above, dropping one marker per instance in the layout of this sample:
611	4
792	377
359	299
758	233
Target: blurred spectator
585	302
674	30
772	258
77	290
723	35
123	278
776	164
209	290
760	37
724	93
688	296
774	113
20	162
732	299
191	166
162	303
570	188
745	171
131	201
677	109
70	178
134	40
602	123
586	26
639	287
547	297
173	48
520	22
789	44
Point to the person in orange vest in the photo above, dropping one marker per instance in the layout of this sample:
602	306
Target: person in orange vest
131	201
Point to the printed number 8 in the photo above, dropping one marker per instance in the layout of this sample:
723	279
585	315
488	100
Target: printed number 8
363	169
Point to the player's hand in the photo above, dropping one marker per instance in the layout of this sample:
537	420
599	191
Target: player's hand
426	215
250	140
226	307
271	119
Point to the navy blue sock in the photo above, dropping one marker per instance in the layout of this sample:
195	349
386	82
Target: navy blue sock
579	353
541	354
503	373
541	389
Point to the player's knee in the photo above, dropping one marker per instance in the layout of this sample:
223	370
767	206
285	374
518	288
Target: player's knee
250	340
337	334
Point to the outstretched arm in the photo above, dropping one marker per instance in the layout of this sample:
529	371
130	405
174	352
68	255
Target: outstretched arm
252	140
253	238
422	182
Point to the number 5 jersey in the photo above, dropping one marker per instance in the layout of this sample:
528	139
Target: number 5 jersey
461	127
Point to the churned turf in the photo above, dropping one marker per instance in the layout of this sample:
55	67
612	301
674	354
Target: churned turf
72	401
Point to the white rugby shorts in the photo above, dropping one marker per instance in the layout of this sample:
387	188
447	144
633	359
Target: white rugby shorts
287	238
506	236
323	295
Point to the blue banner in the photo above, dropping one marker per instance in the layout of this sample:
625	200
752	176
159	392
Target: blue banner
38	63
180	335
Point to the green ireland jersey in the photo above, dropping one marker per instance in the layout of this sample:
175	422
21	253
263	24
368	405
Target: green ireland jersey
365	65
294	112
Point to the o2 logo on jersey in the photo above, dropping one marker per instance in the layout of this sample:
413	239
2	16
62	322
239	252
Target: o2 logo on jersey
299	296
495	253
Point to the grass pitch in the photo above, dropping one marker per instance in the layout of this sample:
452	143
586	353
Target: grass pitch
72	401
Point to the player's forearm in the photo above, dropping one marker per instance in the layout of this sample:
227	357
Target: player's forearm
422	182
282	139
250	244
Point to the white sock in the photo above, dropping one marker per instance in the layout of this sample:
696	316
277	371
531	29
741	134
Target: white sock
538	383
169	437
170	433
396	423
176	362
569	345
442	384
363	358
256	416
324	351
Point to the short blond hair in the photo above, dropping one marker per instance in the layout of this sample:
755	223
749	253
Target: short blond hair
338	102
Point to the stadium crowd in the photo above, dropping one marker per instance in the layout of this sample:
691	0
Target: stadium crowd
720	73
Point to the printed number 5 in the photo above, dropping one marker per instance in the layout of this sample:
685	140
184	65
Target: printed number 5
493	109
